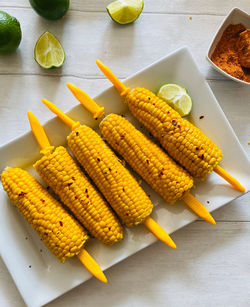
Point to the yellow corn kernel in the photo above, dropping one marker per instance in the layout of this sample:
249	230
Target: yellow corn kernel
63	235
166	177
61	172
115	182
184	142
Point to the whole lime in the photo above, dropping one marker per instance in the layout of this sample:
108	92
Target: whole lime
50	9
10	33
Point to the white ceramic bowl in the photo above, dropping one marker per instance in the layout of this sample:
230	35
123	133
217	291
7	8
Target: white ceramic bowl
235	16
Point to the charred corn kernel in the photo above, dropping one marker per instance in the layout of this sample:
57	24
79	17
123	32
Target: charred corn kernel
184	142
63	235
166	177
60	171
115	182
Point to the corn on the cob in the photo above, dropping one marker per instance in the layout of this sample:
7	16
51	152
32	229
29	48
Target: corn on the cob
146	158
187	144
63	235
60	171
110	175
115	182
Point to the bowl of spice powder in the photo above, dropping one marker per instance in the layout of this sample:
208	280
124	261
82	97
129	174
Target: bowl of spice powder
229	52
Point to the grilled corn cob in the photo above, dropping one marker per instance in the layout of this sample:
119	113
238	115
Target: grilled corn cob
146	158
120	189
187	144
61	172
113	179
156	167
63	236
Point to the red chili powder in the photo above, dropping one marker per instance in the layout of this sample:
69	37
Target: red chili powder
226	56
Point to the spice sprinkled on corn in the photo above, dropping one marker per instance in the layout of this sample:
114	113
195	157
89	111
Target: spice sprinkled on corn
63	235
115	182
61	172
166	177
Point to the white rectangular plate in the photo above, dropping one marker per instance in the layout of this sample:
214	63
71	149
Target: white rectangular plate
20	247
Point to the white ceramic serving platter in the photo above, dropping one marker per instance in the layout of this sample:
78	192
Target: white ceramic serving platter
21	247
234	17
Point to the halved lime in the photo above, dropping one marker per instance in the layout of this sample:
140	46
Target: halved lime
125	11
48	51
177	97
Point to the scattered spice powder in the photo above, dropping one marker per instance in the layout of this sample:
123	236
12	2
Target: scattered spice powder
22	194
174	122
232	51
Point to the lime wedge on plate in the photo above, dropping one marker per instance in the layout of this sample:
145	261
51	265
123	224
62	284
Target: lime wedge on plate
125	11
177	97
48	51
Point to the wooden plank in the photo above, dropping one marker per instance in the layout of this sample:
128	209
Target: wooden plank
162	6
88	36
208	269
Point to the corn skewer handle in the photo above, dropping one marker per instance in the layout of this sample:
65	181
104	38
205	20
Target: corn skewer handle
38	131
230	179
198	208
86	101
90	264
65	118
121	88
159	232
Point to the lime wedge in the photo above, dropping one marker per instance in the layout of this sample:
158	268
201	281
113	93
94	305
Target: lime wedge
177	97
125	11
48	51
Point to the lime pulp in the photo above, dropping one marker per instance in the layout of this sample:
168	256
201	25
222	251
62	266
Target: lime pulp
48	51
125	11
177	97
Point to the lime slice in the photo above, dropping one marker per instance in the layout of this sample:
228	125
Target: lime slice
125	11
177	97
48	51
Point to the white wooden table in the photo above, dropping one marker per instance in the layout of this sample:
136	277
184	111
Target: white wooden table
211	266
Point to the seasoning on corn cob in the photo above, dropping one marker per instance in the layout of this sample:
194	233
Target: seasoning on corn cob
167	178
61	172
62	235
115	182
184	142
